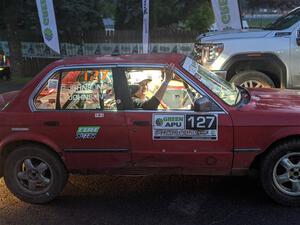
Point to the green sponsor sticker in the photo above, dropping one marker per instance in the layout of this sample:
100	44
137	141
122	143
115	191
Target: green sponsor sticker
87	132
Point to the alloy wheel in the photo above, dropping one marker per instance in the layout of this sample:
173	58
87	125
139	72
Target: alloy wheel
286	174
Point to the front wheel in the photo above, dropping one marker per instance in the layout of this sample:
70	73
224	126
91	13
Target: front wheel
280	173
252	79
34	174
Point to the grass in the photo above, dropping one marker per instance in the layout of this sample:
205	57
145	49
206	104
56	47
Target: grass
259	23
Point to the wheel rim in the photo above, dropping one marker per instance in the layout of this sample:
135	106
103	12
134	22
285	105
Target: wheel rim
34	175
253	84
286	174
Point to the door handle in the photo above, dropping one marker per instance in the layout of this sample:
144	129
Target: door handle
141	123
51	123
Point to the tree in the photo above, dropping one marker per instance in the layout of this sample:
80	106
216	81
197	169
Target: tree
195	14
129	14
10	18
200	18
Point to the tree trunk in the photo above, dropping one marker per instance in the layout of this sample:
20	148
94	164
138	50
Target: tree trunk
13	37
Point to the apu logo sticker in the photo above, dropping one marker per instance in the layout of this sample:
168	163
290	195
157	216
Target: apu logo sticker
169	121
87	132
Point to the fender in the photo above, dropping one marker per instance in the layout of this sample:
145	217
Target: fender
243	160
30	136
281	134
273	61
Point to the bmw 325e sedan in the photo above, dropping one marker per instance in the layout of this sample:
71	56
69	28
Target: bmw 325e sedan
78	116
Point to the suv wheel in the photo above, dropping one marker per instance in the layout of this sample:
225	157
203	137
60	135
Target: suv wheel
34	174
280	173
252	79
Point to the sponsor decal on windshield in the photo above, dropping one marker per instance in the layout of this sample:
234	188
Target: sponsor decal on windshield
190	66
190	126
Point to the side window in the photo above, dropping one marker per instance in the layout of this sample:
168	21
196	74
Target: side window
87	89
144	84
47	97
78	89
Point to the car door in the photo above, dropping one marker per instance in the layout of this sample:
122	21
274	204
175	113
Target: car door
170	138
96	132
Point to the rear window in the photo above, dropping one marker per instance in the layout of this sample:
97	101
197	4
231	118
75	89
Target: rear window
47	97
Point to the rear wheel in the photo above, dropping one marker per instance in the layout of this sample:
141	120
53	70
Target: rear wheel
280	173
34	174
252	79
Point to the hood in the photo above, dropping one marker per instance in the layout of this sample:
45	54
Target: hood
275	100
232	34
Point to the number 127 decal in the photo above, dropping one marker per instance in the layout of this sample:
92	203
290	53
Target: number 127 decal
199	122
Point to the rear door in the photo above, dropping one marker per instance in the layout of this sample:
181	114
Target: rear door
96	133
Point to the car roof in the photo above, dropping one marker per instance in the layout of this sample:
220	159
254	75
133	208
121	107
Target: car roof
109	59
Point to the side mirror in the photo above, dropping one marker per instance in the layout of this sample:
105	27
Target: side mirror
203	104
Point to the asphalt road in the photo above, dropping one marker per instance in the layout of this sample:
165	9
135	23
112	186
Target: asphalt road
111	200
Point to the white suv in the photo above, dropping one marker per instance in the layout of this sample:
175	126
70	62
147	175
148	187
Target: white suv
255	58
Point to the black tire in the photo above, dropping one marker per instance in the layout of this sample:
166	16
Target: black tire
270	163
259	79
45	166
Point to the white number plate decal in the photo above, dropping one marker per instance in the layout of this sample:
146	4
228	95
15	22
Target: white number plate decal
190	126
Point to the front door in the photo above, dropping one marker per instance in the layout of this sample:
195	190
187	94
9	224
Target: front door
175	137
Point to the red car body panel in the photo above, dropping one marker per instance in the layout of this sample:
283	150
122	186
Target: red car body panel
202	157
244	132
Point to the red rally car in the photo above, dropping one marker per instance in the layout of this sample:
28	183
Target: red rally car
78	116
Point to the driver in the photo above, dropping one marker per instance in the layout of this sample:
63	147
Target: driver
138	92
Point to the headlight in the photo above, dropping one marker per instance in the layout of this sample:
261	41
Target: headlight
207	53
1	68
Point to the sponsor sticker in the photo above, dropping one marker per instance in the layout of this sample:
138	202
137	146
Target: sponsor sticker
171	127
53	84
169	122
99	115
87	132
190	66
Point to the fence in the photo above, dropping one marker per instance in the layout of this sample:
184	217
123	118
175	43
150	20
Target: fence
36	55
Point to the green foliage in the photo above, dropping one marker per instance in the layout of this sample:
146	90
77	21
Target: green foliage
200	18
195	14
165	13
79	15
129	14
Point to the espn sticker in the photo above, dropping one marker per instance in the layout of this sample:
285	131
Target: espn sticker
87	132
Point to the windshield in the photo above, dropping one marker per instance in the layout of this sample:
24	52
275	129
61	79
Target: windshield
229	93
286	21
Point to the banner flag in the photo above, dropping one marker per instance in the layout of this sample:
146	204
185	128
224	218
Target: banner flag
227	14
48	24
145	5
